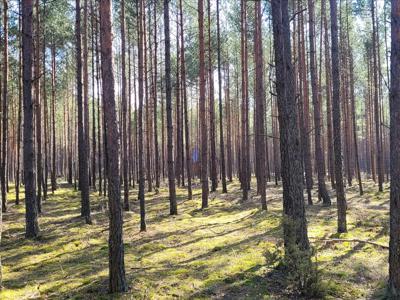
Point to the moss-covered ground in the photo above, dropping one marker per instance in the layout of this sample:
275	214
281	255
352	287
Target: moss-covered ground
222	252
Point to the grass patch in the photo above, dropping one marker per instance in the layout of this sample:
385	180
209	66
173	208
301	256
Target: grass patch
226	251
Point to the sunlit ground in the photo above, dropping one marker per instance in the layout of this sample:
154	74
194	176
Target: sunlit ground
220	252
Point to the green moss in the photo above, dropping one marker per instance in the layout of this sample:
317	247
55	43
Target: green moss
223	251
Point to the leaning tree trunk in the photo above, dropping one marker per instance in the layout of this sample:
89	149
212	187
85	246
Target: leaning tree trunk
31	213
117	281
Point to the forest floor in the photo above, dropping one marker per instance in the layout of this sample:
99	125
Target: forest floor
222	252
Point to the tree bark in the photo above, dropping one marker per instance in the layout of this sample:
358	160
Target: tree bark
117	281
31	213
202	108
38	111
244	176
394	243
260	110
185	107
173	210
295	224
82	151
337	143
319	156
376	103
4	110
124	110
140	120
221	127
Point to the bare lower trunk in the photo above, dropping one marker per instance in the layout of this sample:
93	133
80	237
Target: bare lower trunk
117	281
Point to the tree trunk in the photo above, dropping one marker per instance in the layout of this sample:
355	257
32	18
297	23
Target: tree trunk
140	120
337	143
86	88
202	108
213	156
260	110
171	171
319	156
331	162
244	176
394	244
155	117
221	127
295	225
38	111
53	118
82	151
18	173
185	107
125	164
117	281
31	213
376	102
4	110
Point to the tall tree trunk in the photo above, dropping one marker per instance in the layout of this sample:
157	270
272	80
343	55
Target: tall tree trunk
155	117
304	110
86	86
31	213
18	175
213	156
202	108
244	156
140	120
125	164
295	225
319	156
337	143
353	112
221	127
53	118
4	109
173	210
82	151
45	113
229	125
117	281
99	131
260	102
38	111
185	107
394	244
376	102
94	142
331	162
